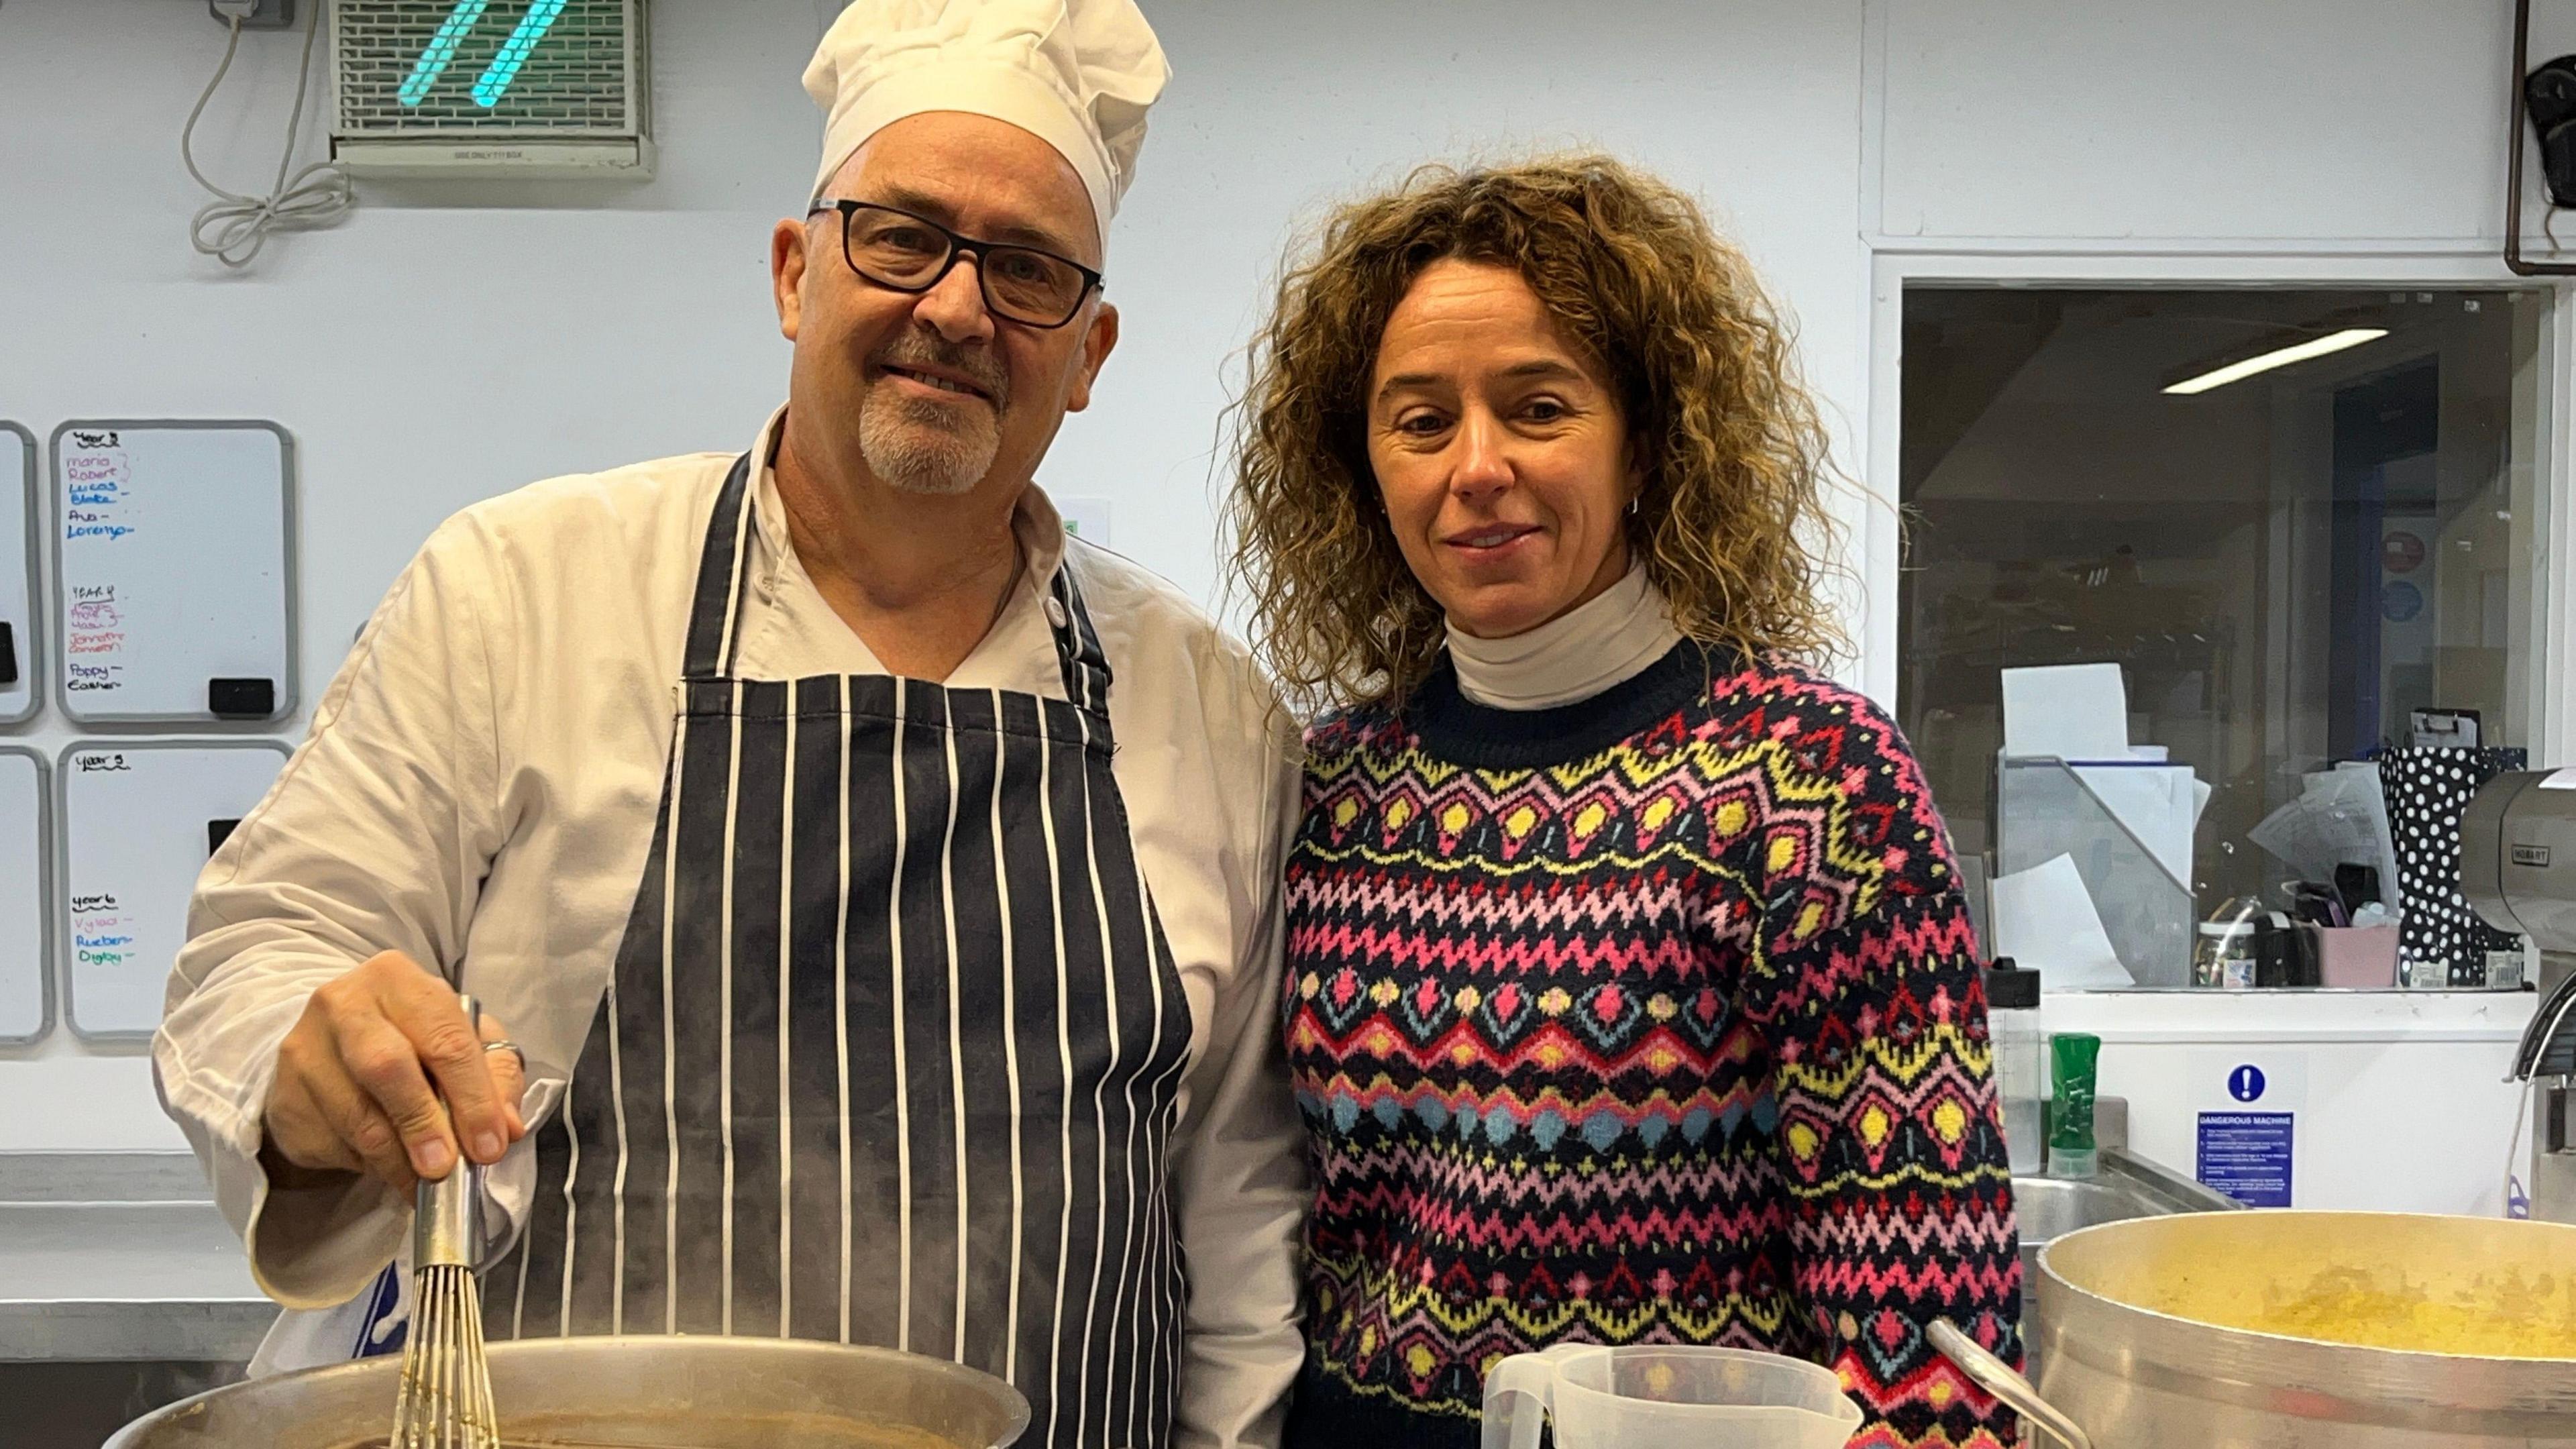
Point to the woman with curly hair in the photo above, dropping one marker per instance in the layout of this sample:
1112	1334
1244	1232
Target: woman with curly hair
1631	993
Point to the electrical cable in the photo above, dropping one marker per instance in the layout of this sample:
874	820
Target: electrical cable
233	228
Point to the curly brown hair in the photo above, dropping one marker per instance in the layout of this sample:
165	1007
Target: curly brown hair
1730	522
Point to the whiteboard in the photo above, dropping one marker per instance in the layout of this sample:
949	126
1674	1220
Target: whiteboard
18	532
174	571
26	983
135	835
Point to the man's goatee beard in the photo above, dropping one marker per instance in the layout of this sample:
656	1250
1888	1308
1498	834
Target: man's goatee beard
918	446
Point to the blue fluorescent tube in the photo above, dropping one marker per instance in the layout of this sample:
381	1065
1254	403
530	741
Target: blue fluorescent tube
504	69
441	51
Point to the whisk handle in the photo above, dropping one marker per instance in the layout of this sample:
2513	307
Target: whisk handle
447	1220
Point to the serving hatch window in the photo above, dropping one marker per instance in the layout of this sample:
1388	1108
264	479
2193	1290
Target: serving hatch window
2191	579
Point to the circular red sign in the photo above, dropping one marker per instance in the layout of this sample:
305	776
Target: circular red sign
2401	553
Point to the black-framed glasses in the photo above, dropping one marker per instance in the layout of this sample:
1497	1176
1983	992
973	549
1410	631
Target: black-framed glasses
895	248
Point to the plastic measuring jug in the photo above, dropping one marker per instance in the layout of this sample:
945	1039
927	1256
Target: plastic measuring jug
1659	1397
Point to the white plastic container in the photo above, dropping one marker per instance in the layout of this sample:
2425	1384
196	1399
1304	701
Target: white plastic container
2021	1063
1657	1397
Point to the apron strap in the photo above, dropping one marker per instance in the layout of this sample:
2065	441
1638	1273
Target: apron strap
1077	644
715	608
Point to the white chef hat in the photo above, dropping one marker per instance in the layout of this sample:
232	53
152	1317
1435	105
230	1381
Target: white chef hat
1077	74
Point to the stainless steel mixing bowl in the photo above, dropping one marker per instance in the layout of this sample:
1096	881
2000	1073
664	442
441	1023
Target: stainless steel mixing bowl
664	1393
2164	1332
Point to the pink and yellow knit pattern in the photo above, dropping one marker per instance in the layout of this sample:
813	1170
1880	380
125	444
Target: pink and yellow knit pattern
1679	1043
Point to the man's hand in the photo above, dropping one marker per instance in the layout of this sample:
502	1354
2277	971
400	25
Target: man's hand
353	1081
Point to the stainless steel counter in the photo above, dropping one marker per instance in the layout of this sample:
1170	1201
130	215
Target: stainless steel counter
118	1256
2128	1186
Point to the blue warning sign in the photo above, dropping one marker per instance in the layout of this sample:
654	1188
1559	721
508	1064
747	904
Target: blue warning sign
2246	1155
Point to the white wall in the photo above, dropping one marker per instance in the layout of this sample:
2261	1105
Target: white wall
2363	125
444	345
2199	141
424	356
441	347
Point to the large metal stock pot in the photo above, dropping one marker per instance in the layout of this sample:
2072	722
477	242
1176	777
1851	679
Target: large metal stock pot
2205	1330
665	1393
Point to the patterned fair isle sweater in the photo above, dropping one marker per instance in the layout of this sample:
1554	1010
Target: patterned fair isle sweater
1650	1019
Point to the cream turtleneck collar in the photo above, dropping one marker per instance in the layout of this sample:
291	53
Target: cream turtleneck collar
1604	642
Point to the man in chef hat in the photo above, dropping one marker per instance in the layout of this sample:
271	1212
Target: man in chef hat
897	877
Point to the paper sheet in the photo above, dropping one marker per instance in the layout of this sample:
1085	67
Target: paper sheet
2340	817
2070	711
2158	803
2044	918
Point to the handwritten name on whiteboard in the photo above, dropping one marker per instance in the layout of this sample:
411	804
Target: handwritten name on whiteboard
98	508
90	678
101	934
100	937
98	501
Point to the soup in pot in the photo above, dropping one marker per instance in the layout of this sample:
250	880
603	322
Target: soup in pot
2413	1283
2504	1314
664	1431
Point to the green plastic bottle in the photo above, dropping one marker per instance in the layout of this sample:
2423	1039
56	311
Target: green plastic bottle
2073	1058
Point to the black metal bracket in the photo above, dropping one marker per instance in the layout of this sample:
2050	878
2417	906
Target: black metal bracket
2514	260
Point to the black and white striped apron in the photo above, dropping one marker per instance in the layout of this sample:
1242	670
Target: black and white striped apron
892	1047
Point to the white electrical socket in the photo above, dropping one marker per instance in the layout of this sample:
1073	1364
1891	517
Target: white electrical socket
254	14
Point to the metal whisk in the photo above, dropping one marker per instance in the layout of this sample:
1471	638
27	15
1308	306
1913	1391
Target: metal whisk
446	1397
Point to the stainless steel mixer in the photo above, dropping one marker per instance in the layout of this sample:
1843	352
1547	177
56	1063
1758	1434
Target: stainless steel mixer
2518	869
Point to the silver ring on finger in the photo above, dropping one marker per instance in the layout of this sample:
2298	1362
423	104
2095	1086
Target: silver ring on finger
513	1048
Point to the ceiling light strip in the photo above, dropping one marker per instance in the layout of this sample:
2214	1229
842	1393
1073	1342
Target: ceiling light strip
2278	357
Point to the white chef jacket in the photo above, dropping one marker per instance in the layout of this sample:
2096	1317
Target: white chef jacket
480	786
